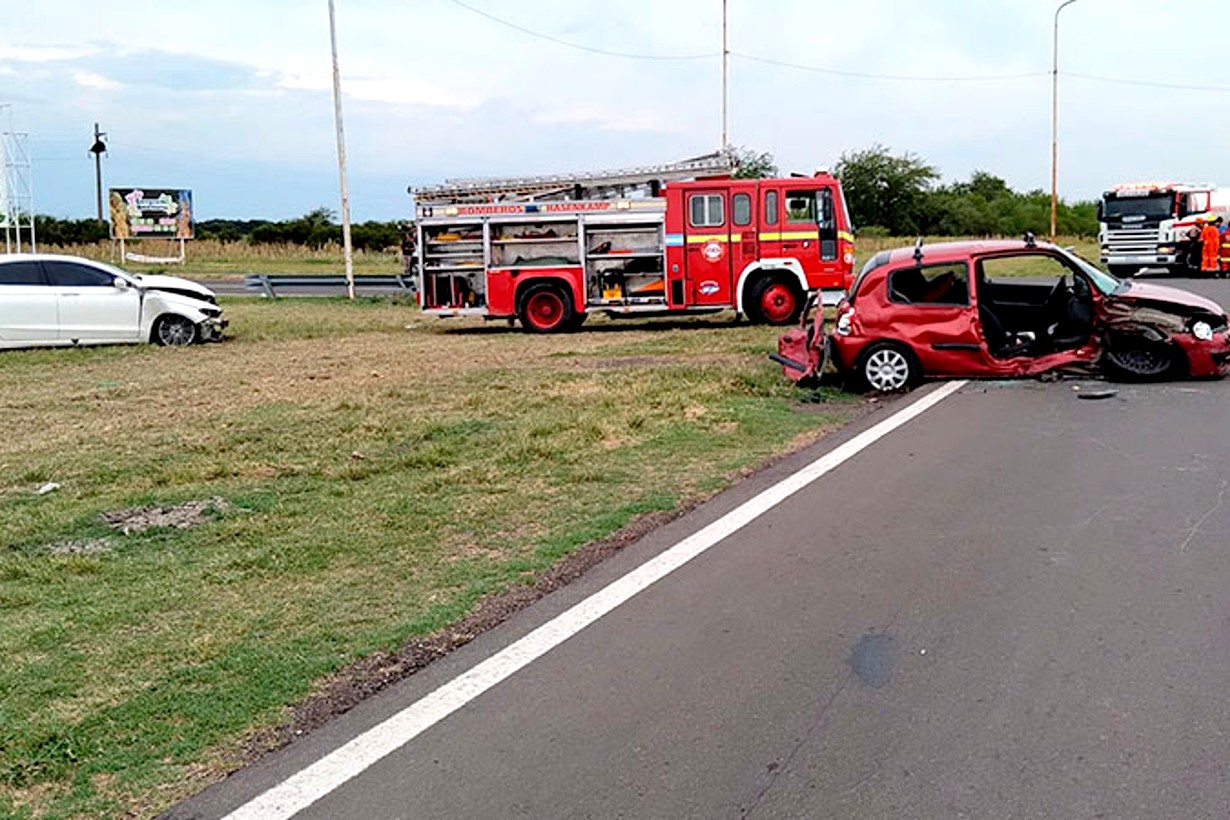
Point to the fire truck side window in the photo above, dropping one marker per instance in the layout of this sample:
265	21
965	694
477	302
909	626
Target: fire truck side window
741	209
825	216
705	210
770	208
801	206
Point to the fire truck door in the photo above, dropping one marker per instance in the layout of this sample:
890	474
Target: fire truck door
809	232
744	239
708	257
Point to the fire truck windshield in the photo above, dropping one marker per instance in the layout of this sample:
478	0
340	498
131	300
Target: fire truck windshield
1158	206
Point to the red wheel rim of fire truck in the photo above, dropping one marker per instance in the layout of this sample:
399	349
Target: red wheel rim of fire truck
544	309
778	302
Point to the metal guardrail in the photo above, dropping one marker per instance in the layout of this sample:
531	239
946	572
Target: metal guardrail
270	284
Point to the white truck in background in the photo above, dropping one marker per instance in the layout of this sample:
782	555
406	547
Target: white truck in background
1146	224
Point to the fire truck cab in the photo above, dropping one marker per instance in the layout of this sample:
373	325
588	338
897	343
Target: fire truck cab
549	253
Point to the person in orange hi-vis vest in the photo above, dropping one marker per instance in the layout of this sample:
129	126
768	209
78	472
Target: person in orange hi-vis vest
1225	246
1210	248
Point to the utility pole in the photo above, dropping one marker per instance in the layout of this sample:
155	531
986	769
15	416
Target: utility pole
1055	119
98	149
341	156
725	72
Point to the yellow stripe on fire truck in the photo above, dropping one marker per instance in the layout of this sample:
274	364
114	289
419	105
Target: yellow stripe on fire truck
777	236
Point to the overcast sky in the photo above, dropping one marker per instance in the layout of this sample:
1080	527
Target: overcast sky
233	99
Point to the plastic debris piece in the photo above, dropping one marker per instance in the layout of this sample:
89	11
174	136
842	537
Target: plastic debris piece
1098	393
49	487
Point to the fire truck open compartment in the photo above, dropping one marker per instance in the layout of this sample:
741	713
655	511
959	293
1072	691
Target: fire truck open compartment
624	264
453	264
622	259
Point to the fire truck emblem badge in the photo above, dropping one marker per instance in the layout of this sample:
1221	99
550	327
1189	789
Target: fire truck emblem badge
709	287
712	251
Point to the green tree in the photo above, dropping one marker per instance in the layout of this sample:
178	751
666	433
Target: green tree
887	190
752	165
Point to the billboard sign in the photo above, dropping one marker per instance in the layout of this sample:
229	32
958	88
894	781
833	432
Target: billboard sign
150	213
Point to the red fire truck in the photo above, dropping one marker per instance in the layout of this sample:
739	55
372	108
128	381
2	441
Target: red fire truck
665	240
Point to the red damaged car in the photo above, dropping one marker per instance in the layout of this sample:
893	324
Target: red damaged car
981	309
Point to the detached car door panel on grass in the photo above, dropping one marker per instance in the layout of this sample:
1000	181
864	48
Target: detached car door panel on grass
28	308
91	307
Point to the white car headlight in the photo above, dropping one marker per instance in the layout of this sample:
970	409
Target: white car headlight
1202	331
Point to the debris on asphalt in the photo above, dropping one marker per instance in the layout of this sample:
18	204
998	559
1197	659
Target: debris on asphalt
1094	393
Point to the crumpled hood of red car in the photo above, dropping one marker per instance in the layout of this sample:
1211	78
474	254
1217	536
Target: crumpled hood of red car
1183	300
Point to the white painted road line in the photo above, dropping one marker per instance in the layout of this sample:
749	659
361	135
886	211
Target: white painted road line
319	779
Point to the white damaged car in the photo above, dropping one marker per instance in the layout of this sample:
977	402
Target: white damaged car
48	300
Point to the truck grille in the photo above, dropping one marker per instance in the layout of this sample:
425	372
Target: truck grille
1128	241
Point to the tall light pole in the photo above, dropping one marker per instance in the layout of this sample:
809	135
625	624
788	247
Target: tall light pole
725	71
347	252
98	149
1055	118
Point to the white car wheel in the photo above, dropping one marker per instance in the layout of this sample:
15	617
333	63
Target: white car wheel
175	331
888	368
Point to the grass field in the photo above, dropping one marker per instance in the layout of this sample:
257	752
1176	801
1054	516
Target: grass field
375	482
209	259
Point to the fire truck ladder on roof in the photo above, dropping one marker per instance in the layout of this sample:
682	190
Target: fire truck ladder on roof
595	185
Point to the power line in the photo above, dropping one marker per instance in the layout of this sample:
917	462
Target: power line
862	75
579	46
1149	83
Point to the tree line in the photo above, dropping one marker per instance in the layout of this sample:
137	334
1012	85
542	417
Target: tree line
901	195
315	229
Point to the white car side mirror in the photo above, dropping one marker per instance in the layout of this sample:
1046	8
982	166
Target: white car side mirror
121	283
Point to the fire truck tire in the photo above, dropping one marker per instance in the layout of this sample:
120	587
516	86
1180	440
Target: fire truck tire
1123	271
775	300
546	308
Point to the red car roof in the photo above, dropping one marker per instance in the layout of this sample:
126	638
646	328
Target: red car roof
944	251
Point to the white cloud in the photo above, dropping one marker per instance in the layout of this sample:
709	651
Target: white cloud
386	89
43	53
89	79
610	119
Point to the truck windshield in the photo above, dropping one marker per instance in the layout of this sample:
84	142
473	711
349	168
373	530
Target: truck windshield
1159	206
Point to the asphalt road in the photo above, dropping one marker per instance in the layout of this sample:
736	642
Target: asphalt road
1015	606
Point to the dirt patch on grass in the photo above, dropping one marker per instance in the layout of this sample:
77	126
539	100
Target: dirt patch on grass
179	516
93	546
